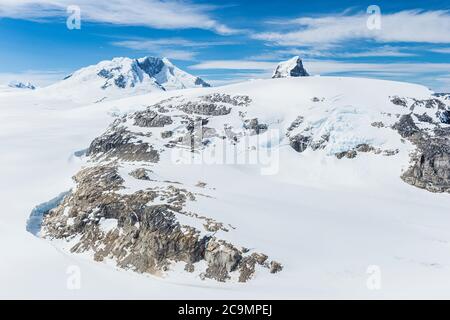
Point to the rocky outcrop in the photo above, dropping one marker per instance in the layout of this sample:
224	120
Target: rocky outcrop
254	126
204	108
430	162
290	68
140	235
145	229
151	119
236	101
444	116
430	167
399	101
299	142
141	174
428	104
406	127
120	143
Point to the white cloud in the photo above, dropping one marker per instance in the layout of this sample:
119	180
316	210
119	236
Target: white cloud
175	48
168	14
331	66
386	51
311	52
405	26
441	50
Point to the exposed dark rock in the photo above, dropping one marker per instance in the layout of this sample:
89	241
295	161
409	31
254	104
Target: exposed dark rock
254	126
299	142
222	259
428	103
290	68
431	166
201	82
444	116
105	74
137	234
248	264
390	152
406	126
364	147
201	184
204	108
442	132
118	142
320	143
189	267
275	267
226	98
424	118
377	124
120	81
151	119
347	154
166	134
151	65
142	230
140	174
296	123
399	101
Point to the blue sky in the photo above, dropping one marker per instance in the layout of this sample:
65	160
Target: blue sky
227	41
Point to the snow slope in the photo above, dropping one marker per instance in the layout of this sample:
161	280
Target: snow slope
327	220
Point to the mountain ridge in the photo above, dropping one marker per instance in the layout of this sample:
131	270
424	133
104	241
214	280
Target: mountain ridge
122	76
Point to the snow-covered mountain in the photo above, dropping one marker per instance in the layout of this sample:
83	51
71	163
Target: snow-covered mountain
123	77
290	68
277	188
21	85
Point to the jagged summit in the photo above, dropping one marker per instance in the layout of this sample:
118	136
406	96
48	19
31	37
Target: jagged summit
128	73
290	68
122	77
168	75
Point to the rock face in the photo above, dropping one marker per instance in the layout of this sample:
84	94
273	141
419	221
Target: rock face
430	164
422	122
290	68
406	126
123	210
299	142
118	142
140	235
151	119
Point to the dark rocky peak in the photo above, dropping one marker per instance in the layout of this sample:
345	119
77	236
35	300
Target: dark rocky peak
290	68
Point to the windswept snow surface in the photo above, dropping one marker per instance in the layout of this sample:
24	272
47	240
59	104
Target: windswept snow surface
328	221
